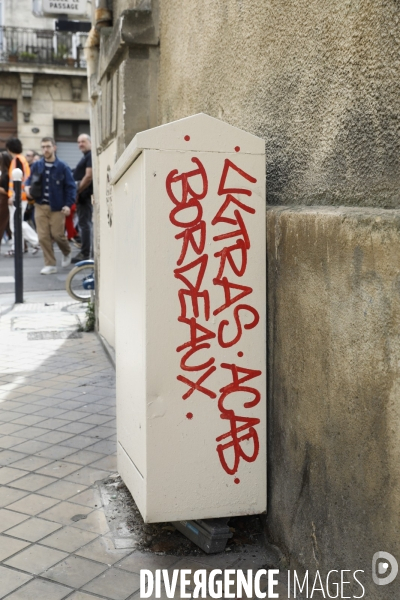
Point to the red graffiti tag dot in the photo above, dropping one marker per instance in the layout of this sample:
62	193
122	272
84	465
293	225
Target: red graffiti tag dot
236	480
240	354
237	148
189	415
187	138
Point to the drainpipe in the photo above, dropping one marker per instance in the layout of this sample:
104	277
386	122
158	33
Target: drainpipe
102	18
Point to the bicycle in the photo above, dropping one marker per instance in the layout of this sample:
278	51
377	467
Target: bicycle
80	281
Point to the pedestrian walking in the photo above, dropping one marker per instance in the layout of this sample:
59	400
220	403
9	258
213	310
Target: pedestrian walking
84	179
5	161
31	156
18	161
53	188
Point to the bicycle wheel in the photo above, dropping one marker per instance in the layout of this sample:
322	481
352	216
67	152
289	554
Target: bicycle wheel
79	283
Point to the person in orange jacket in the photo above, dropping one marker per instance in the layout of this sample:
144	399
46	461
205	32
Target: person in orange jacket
19	161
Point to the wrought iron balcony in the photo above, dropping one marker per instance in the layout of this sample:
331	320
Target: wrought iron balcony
42	47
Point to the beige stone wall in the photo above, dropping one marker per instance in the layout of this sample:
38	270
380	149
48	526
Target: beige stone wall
51	99
318	80
334	387
18	13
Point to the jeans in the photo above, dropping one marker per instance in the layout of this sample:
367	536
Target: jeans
85	211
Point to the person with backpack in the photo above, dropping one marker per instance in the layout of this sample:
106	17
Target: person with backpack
53	188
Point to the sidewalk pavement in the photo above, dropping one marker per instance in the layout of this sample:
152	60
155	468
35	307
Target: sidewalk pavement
57	438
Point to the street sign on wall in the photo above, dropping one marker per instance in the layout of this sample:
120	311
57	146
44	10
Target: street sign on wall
55	7
190	306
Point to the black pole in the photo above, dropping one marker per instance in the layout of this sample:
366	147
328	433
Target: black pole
18	243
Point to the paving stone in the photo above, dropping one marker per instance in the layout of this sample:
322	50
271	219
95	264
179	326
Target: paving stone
96	419
55	452
108	463
83	596
76	427
31	432
11	580
31	463
64	511
33	530
9	519
105	446
51	411
69	539
53	423
73	415
89	497
62	489
74	571
94	408
79	442
32	447
88	475
55	437
95	522
9	441
8	474
28	420
7	428
69	404
101	432
47	392
10	495
7	457
36	559
7	415
115	584
33	504
32	482
103	550
10	546
140	560
26	409
109	411
85	457
40	589
58	469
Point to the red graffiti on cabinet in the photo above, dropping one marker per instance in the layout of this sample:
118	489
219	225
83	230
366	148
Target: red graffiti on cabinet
224	324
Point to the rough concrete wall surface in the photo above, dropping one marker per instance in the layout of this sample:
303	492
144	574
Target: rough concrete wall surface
318	80
334	387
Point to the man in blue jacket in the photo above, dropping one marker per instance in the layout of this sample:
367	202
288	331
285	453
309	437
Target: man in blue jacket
53	188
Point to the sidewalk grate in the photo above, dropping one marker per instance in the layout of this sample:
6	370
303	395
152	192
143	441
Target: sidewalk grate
54	335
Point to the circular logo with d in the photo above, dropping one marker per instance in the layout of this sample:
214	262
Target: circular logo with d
384	568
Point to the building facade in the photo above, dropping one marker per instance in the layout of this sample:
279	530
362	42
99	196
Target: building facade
320	83
43	83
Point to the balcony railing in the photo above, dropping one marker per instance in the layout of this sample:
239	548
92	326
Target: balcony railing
42	47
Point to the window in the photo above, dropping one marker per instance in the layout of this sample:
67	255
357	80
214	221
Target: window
68	131
65	134
8	121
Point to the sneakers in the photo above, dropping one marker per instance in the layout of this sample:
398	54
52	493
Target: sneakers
79	257
48	270
35	249
66	260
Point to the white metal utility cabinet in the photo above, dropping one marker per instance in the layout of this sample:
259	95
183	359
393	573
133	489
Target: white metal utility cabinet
189	212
